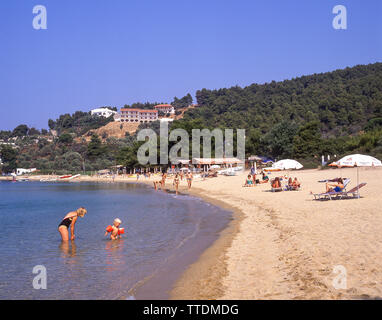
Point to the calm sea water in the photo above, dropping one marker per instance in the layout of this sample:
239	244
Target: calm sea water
165	233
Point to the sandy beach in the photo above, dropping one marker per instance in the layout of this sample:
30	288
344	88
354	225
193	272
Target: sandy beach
287	244
284	245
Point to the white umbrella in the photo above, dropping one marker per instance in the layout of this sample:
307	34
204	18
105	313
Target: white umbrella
287	164
358	160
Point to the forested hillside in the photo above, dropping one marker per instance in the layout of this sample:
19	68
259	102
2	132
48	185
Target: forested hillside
342	101
334	112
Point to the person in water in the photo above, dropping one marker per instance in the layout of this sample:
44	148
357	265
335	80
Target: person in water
69	221
114	234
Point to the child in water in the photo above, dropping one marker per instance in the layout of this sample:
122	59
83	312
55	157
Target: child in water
115	231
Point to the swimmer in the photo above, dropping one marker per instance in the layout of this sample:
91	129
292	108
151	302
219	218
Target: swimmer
114	229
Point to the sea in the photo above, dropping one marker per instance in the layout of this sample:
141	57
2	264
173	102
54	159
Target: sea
164	234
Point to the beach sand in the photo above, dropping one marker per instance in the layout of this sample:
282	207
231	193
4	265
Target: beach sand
287	244
284	245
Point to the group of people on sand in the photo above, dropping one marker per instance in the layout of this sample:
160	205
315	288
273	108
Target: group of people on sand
70	220
251	180
293	184
177	178
276	183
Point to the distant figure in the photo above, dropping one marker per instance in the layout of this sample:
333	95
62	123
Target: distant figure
163	181
276	184
265	178
189	179
296	184
176	183
69	221
248	182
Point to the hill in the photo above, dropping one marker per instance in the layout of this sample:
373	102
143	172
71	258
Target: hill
343	101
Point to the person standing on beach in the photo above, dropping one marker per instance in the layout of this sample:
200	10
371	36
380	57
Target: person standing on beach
163	182
69	221
176	183
189	179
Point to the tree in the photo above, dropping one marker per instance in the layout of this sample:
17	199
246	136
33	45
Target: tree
20	131
278	142
33	132
65	138
9	158
307	142
183	102
95	147
51	124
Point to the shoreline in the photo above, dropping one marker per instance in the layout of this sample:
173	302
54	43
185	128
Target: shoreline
285	245
203	280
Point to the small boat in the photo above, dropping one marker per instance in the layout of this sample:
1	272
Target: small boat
73	177
65	177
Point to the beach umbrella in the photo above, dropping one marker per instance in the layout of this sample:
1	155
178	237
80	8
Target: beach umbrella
358	160
287	164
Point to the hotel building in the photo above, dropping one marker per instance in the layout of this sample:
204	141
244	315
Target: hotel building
138	115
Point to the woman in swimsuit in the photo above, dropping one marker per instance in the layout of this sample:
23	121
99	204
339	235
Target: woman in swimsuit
189	179
69	221
337	187
176	183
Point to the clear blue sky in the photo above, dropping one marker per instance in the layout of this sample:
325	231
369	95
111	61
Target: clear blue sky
99	52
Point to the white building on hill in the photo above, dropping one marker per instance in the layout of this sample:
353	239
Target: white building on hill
102	112
165	108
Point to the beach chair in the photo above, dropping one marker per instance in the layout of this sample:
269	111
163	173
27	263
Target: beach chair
333	194
353	193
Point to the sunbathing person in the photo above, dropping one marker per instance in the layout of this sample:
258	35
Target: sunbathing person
265	178
337	187
296	184
248	182
276	184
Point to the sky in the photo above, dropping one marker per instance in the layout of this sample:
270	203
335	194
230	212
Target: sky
110	53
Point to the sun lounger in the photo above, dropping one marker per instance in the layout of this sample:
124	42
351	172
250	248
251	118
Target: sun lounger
332	194
353	193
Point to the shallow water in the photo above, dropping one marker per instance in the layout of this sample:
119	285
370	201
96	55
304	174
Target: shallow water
165	233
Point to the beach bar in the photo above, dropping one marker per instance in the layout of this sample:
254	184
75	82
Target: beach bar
206	163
